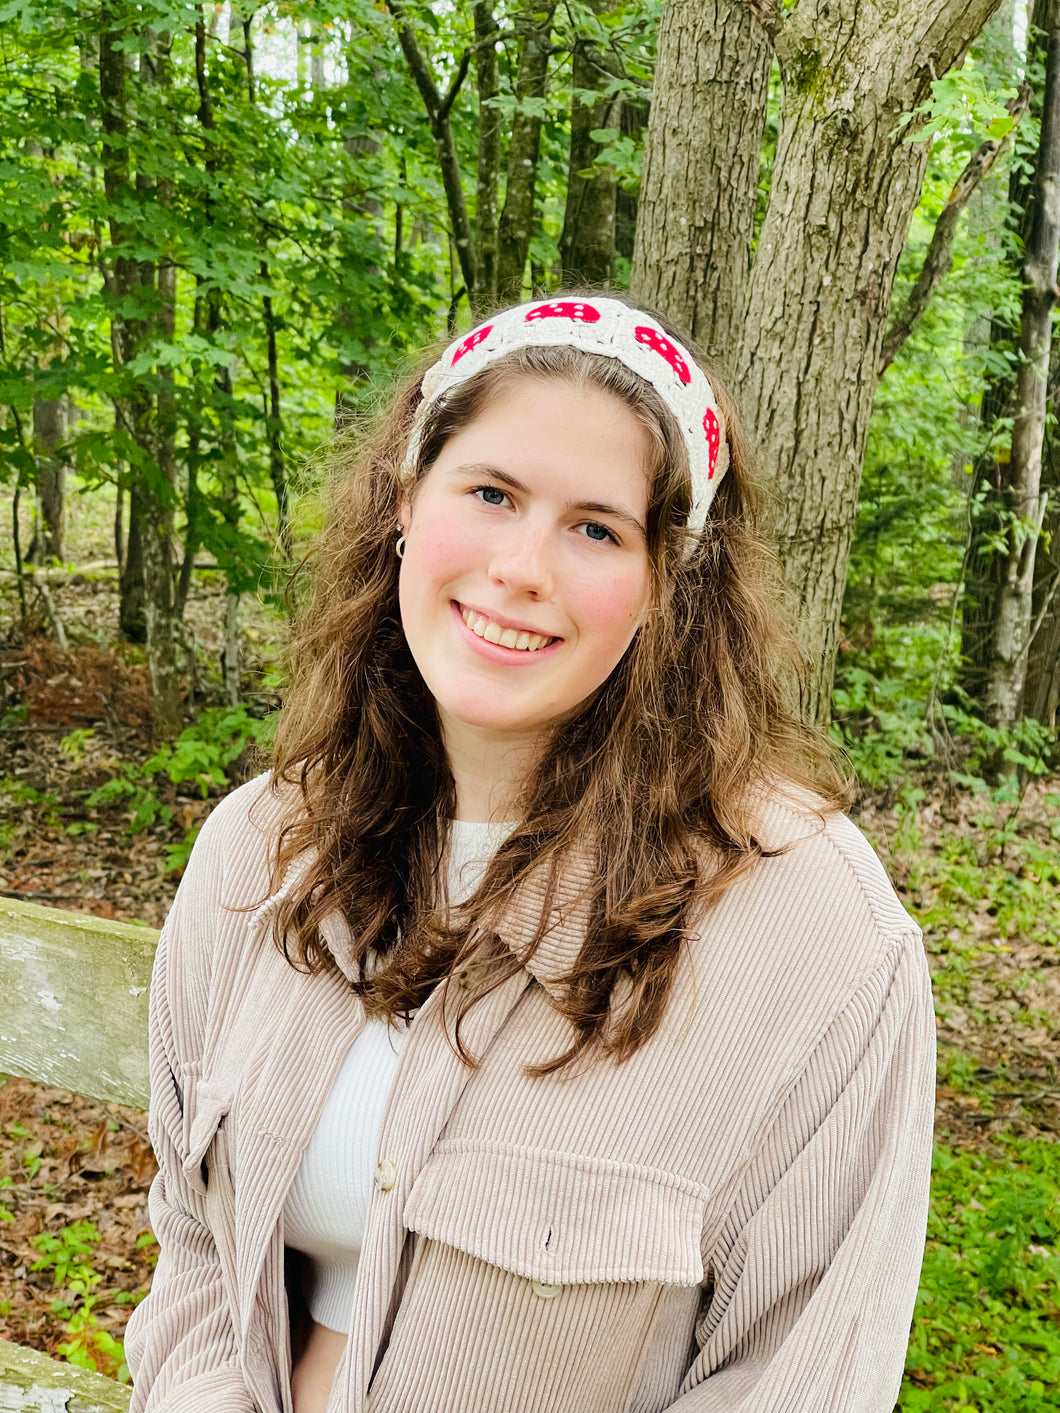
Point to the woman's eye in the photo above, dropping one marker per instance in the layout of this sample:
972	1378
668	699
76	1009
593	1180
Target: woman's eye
595	531
490	495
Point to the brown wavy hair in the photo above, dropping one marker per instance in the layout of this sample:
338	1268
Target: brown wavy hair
656	775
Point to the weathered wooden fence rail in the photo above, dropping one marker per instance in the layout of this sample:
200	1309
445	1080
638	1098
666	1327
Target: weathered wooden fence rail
73	1013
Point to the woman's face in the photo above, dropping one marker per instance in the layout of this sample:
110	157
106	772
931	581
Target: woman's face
526	570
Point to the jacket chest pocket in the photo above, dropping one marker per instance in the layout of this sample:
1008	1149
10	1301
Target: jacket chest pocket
207	1104
560	1218
562	1270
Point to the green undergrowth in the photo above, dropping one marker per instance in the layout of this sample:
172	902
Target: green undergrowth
983	884
986	1332
995	855
199	758
68	1257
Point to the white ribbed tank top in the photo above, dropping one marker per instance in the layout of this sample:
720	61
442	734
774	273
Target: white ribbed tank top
326	1207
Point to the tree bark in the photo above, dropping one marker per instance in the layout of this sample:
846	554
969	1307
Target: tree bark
487	71
844	188
124	332
230	655
984	568
1024	503
49	429
148	422
157	436
695	219
1042	692
517	217
274	422
132	613
1041	695
587	244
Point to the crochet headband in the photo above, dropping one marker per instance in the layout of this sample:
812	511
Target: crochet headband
608	327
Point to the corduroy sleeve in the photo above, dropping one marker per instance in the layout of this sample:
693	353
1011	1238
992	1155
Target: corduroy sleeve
815	1273
180	1344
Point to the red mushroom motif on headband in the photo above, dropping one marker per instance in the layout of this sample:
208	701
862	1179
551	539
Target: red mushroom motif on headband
662	345
472	341
565	309
713	432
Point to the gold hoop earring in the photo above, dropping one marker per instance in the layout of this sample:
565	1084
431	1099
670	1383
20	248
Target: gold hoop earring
399	548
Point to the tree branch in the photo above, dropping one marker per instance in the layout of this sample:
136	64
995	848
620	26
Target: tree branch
939	255
454	87
438	113
418	67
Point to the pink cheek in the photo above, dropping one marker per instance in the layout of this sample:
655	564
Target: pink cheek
609	611
444	544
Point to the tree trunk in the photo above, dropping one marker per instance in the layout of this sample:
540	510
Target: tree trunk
844	188
587	244
49	429
697	202
230	656
132	615
119	513
124	334
149	421
1042	692
487	73
274	424
158	440
1041	695
517	217
984	566
439	115
1024	503
193	510
633	118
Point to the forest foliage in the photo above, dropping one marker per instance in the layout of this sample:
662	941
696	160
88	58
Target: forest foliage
225	230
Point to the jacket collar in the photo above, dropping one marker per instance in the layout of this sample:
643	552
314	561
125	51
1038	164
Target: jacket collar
565	906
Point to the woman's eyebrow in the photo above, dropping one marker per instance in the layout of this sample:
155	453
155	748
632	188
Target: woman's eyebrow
495	473
589	507
614	512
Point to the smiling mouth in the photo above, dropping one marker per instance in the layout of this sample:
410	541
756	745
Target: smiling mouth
519	639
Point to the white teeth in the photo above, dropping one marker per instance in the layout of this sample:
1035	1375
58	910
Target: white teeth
520	639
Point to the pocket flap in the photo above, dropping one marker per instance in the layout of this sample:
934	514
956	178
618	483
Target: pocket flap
205	1107
560	1218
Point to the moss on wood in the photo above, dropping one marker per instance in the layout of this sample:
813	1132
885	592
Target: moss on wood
73	1001
30	1382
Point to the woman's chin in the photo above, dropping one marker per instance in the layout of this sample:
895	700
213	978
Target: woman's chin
491	718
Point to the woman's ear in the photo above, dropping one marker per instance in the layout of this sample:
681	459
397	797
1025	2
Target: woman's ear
404	513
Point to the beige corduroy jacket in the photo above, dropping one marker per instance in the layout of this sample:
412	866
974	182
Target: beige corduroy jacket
733	1219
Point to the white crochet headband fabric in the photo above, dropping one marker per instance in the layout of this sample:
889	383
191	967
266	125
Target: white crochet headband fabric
613	329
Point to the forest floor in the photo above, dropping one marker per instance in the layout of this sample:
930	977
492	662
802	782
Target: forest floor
983	878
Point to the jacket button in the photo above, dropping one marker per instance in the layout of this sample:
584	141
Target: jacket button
546	1292
385	1175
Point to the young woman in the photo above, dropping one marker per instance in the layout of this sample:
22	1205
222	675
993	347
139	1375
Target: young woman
592	1068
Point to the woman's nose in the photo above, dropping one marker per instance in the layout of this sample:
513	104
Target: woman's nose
522	561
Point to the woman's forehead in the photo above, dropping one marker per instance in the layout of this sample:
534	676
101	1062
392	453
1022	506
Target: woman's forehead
584	438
